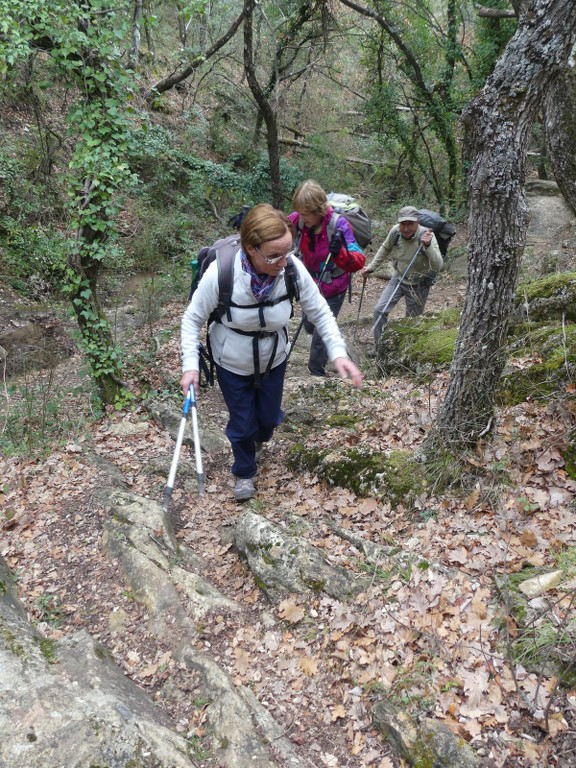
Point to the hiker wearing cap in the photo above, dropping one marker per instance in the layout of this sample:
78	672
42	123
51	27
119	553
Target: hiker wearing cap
250	344
415	256
324	255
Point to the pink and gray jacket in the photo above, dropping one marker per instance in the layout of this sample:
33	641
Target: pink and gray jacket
314	248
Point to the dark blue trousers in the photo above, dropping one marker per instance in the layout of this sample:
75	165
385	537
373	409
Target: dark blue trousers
254	413
318	353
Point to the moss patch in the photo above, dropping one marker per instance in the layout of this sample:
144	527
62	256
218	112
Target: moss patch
396	477
546	356
414	343
549	297
540	643
569	455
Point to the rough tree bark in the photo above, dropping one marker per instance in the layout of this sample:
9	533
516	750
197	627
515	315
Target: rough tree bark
264	107
561	134
498	123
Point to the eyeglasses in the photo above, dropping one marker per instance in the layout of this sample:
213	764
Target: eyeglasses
275	259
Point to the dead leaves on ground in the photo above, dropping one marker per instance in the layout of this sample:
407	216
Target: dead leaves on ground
424	631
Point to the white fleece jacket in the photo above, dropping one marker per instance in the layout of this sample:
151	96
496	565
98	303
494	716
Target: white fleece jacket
233	351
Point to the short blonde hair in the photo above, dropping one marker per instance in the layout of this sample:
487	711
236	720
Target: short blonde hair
262	223
310	198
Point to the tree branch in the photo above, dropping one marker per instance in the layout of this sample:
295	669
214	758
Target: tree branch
178	77
495	13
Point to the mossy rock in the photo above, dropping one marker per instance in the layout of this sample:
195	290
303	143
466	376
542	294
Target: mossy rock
416	343
551	297
395	478
539	643
554	351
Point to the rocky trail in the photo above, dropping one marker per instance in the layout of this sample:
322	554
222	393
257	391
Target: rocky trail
309	627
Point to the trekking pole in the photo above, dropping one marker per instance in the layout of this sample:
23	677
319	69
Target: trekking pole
361	299
383	311
197	448
190	399
299	329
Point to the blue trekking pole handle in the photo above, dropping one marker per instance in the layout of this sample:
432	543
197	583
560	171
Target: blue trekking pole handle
174	465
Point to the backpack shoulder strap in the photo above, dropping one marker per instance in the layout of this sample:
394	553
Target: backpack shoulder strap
225	255
332	225
291	280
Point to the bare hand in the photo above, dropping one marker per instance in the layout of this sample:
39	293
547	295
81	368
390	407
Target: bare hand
189	377
347	370
365	271
427	238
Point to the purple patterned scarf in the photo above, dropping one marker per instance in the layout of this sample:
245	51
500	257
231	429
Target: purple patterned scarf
261	285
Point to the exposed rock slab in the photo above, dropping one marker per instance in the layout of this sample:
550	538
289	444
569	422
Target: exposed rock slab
427	743
139	534
282	562
243	730
67	704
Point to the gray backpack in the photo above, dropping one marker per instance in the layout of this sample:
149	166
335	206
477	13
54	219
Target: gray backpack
355	216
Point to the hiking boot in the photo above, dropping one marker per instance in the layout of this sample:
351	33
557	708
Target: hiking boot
244	488
258	451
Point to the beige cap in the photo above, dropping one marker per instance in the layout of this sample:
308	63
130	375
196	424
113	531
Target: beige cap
408	213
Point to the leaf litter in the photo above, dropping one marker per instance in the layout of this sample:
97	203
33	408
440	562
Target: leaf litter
426	631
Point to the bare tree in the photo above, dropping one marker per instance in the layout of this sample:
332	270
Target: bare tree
498	124
297	37
147	29
136	34
265	108
436	103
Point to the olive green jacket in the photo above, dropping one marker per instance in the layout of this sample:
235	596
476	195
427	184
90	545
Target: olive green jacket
400	252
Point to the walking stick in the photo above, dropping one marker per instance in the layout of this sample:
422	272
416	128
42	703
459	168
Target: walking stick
361	299
412	260
197	448
189	404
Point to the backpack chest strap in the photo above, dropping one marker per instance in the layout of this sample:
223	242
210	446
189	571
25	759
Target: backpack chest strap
261	306
256	336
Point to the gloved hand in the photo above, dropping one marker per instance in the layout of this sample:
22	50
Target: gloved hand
335	244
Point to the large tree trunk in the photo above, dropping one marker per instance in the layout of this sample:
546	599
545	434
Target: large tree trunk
94	327
561	133
498	123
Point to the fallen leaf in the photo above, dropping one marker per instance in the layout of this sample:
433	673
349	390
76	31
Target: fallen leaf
308	666
291	612
458	555
472	499
242	662
529	538
148	671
